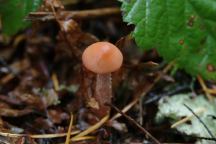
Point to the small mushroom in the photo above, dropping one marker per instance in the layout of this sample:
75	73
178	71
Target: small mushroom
102	58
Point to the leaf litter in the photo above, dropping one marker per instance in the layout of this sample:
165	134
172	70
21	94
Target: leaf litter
44	86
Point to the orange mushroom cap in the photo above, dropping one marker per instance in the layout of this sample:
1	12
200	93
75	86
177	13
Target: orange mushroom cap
102	58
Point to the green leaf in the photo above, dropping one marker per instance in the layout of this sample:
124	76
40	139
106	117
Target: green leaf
13	13
174	109
180	30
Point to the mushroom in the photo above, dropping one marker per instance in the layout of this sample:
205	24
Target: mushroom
102	58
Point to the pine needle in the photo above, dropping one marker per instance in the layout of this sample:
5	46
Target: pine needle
67	141
92	128
37	136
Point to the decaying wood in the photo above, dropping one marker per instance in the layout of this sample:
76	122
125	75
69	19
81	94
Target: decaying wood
74	14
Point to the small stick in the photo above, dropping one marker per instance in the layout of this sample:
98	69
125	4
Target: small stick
125	109
206	138
67	141
135	123
91	128
55	82
204	87
74	14
37	136
83	138
200	110
144	92
210	133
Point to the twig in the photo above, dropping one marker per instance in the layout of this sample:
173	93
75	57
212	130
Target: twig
205	138
83	138
37	136
210	133
135	123
55	82
165	70
91	128
204	87
67	141
144	92
198	111
125	109
74	14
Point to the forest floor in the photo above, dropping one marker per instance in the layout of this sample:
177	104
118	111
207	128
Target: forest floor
43	84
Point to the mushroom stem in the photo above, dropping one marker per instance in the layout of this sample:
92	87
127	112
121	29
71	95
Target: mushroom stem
101	58
103	93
